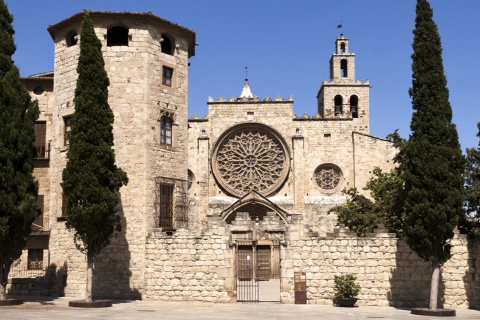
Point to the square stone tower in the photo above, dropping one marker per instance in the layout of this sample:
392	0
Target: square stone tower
344	97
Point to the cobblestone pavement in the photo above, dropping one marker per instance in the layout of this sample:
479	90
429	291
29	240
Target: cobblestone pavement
58	309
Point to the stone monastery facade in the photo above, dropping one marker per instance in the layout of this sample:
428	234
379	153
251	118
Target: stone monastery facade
229	207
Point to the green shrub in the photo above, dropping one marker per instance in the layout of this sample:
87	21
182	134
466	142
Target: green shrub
346	287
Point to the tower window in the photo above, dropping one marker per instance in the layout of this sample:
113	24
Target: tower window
342	47
71	38
354	106
117	36
166	45
166	131
338	105
343	68
67	128
40	139
167	74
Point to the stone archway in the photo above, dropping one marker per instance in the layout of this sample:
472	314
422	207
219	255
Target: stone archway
257	228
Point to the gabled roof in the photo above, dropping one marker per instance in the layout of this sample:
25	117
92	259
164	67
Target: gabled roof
251	198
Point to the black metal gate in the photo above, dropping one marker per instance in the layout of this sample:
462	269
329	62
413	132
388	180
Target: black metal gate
247	284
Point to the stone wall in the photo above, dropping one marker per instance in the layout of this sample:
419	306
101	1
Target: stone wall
183	267
188	268
388	271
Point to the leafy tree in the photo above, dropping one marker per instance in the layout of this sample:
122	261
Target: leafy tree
18	189
432	163
359	214
91	179
362	215
472	189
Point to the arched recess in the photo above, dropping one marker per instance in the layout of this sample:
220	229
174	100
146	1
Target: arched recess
117	36
256	205
166	44
354	106
343	68
338	105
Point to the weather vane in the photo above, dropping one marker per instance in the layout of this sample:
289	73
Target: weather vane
246	73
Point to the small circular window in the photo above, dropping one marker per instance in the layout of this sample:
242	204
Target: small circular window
328	177
38	91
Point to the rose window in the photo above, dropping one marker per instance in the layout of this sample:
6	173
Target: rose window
253	158
328	177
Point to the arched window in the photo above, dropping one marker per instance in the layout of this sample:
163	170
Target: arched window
343	68
166	45
338	105
71	38
354	106
166	131
117	36
342	47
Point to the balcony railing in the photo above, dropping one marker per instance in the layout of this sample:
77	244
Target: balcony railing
23	271
43	152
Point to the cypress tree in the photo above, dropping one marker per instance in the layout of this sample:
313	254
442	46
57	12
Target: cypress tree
472	188
91	179
432	163
18	188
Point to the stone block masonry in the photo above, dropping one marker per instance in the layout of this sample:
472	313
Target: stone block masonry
183	267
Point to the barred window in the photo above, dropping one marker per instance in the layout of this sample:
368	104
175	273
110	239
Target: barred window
35	259
165	214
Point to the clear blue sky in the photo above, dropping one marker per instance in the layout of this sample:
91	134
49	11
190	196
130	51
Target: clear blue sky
287	46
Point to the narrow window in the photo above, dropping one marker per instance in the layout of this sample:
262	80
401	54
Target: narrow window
35	259
38	222
71	38
67	128
166	207
343	68
342	47
117	36
166	131
64	206
167	74
354	106
166	45
40	139
338	105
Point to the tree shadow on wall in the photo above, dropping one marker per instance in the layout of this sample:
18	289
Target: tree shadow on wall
57	279
471	279
410	280
112	274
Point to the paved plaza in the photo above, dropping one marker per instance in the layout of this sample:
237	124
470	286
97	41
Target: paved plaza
58	309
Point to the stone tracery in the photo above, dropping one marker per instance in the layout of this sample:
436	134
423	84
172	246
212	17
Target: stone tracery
328	176
250	159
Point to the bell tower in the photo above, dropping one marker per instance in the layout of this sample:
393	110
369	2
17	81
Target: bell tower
343	96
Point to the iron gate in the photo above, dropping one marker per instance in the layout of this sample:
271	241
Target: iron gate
247	284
